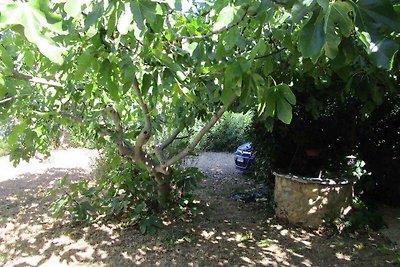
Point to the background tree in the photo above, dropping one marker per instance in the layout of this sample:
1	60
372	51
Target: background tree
136	73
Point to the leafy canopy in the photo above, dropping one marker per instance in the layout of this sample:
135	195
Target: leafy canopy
133	72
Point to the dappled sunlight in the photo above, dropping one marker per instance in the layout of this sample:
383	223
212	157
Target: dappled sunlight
224	232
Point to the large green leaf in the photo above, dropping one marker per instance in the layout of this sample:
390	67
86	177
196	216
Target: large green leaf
33	22
95	15
137	14
183	91
376	20
312	37
301	8
73	8
338	23
378	12
226	95
283	110
230	39
173	66
233	75
83	63
125	20
149	11
270	102
6	63
227	16
383	53
279	100
113	89
258	49
285	92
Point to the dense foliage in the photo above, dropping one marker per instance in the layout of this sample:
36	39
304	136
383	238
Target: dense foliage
379	147
339	143
229	133
135	74
362	219
123	190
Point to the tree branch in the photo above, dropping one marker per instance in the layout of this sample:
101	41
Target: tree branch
144	135
200	134
105	132
270	54
126	150
123	149
115	117
20	76
182	137
4	100
158	150
170	139
199	37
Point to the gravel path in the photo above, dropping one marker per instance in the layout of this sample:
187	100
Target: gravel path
223	233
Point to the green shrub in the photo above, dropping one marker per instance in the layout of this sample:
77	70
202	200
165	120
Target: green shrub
229	133
363	218
338	132
124	190
379	147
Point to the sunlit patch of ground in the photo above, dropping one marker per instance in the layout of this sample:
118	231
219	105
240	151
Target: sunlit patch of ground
225	233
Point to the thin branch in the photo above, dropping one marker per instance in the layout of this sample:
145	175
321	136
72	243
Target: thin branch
199	37
182	137
115	117
123	149
144	135
12	97
270	54
102	131
134	153
200	134
280	3
158	150
170	139
20	76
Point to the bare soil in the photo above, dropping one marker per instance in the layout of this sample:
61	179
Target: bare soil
224	233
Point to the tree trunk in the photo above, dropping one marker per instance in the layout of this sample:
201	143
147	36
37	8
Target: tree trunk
163	190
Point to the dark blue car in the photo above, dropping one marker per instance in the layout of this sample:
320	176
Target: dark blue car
244	157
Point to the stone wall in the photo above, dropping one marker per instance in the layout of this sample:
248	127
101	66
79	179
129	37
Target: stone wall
307	201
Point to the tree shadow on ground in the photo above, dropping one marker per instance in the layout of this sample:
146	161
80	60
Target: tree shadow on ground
224	232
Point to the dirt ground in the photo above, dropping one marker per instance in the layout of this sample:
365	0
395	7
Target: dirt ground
225	232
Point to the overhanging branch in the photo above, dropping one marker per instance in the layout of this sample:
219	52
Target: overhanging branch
144	135
24	77
4	100
158	150
200	134
115	118
170	139
270	54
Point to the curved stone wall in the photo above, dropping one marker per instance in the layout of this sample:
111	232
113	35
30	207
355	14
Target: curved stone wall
306	201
